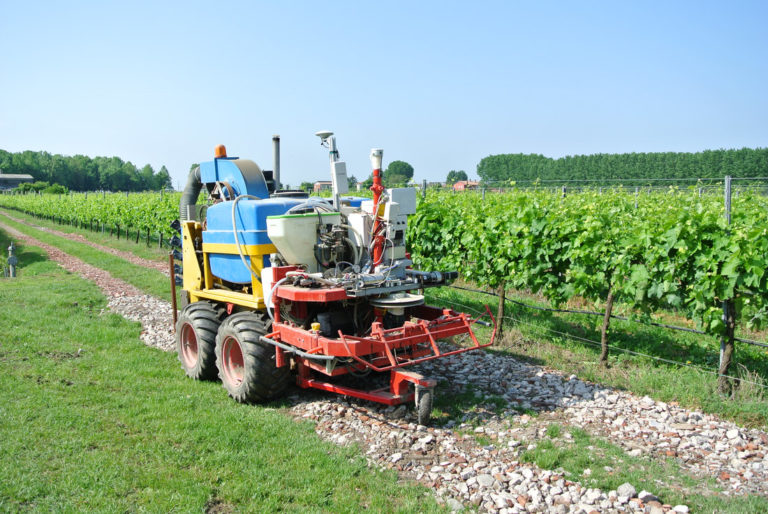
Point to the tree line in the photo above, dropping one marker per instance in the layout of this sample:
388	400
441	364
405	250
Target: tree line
83	173
745	162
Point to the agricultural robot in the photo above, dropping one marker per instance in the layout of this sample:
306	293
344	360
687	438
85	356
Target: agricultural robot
281	287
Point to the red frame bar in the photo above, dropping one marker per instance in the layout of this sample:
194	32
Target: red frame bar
396	394
383	341
417	342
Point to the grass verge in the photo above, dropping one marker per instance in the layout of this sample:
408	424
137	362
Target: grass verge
597	463
147	280
93	420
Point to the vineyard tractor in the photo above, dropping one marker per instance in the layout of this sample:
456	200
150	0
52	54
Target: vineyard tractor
278	286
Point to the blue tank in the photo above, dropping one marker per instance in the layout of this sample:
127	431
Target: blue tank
251	220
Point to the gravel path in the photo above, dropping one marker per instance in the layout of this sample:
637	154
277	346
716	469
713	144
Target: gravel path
492	478
133	259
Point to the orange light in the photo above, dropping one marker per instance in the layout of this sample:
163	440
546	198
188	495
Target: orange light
221	151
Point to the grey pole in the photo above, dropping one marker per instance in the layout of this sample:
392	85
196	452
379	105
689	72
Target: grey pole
12	260
276	160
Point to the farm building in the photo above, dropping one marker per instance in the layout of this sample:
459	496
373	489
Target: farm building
322	185
11	181
463	185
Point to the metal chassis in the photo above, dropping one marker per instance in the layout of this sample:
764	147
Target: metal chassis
384	350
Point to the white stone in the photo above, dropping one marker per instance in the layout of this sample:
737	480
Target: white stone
485	480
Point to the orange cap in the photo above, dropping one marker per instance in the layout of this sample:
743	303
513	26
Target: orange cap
221	151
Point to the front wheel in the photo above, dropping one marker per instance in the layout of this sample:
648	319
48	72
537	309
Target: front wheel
246	364
424	405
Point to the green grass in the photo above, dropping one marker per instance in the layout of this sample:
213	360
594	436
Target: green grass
451	404
530	337
610	467
147	280
93	420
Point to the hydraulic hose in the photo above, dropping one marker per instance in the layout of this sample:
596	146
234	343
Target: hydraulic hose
190	194
234	230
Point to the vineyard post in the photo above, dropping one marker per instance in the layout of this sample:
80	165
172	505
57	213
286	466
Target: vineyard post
483	194
147	236
500	312
424	188
606	325
118	231
637	192
138	233
726	342
160	240
564	191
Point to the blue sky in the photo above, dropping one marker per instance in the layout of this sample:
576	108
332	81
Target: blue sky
437	84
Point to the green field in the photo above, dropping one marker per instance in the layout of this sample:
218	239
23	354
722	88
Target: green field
93	420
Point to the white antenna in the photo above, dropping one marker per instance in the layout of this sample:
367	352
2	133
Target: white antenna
339	181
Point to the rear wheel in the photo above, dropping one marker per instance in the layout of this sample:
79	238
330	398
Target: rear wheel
246	364
196	340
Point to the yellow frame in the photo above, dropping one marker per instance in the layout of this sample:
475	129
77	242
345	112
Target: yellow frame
200	283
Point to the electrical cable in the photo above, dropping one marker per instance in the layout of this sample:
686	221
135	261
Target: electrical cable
237	240
268	299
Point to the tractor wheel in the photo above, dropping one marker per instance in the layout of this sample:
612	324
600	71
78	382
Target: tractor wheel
196	340
246	364
424	406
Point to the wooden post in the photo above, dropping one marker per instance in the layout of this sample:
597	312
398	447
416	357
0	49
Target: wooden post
727	346
606	325
138	233
502	291
173	290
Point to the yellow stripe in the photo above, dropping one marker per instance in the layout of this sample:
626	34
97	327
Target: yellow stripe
232	249
242	299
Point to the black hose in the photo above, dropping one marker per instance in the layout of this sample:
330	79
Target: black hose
190	194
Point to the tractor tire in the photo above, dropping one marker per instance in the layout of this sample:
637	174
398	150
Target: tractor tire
246	364
424	406
196	340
